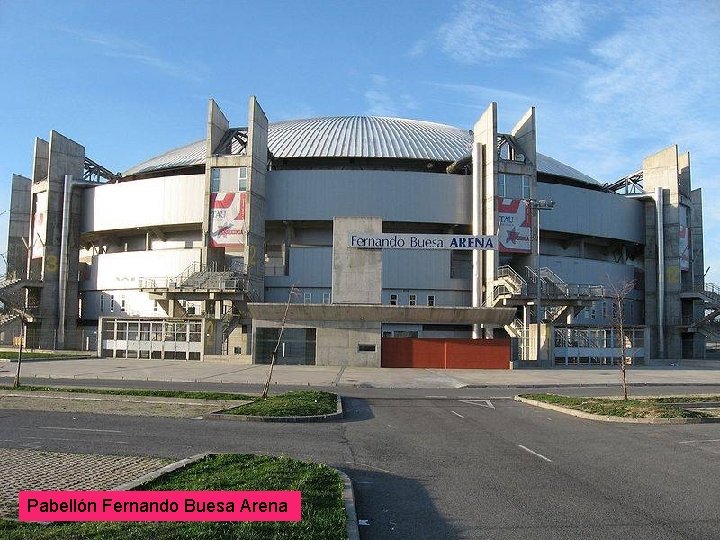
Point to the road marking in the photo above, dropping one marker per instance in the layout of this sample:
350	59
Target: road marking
363	522
535	453
457	414
47	438
479	402
437	397
373	467
82	429
702	440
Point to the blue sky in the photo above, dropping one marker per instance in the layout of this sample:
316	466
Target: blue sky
612	82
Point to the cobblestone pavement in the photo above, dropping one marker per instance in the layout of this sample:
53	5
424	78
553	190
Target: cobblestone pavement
111	404
36	470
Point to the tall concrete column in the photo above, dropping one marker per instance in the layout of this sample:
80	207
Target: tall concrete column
670	172
65	158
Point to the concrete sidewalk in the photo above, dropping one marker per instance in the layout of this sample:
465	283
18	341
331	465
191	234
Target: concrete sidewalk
325	376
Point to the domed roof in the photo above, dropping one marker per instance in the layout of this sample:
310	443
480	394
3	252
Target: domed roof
367	137
356	137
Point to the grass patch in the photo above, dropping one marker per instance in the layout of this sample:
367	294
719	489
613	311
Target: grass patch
631	408
323	511
300	403
12	355
134	392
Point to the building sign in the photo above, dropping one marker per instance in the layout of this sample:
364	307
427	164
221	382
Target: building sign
514	225
227	220
421	241
39	228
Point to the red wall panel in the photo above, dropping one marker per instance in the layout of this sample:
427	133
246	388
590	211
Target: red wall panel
450	353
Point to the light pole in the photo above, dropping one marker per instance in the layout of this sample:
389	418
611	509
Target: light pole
537	205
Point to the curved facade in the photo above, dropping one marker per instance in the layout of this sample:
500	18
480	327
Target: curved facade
187	242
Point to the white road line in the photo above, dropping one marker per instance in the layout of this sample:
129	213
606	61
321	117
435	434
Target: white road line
82	429
373	467
47	438
702	440
535	453
479	402
457	414
436	397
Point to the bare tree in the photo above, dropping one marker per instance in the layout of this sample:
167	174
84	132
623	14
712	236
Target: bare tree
13	301
293	292
619	294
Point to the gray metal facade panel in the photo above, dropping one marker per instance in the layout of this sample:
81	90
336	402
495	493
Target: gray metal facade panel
592	213
309	267
394	196
419	269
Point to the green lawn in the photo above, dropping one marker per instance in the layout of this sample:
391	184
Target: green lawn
323	513
631	408
134	392
300	403
29	355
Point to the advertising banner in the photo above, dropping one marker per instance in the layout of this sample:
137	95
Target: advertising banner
684	248
514	225
684	239
227	219
39	228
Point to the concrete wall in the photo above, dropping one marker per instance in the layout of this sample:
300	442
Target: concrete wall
356	273
337	342
19	226
168	200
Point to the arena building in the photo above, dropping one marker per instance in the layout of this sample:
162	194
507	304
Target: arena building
354	240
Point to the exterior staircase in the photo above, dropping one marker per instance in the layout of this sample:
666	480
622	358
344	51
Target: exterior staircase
709	295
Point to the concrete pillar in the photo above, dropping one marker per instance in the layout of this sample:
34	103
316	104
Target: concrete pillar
19	226
356	273
671	172
63	157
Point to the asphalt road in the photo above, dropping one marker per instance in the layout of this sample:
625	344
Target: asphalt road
471	464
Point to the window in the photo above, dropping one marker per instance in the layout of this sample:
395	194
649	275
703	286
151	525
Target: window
593	311
412	299
393	299
307	298
112	303
326	298
604	310
122	303
155	306
431	300
513	186
102	303
242	178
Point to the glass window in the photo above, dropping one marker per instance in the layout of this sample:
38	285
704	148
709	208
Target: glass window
393	299
215	180
326	298
242	178
412	299
307	298
431	300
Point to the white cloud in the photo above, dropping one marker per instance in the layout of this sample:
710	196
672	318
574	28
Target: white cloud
116	47
384	98
482	30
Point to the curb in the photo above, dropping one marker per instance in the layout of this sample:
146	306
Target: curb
618	419
294	419
351	528
586	385
127	486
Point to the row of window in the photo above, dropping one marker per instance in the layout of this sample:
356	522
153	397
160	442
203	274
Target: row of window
412	300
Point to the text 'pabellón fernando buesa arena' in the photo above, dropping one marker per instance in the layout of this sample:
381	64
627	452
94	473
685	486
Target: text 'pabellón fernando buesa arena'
399	243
